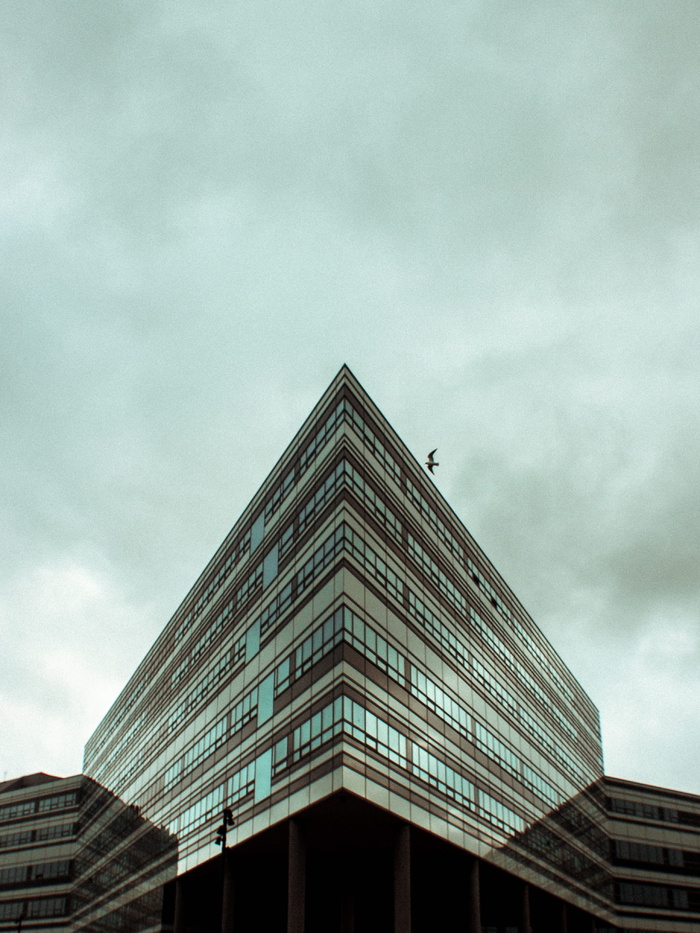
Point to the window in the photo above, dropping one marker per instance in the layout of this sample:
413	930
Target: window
14	875
14	810
270	566
257	531
439	775
199	813
266	694
15	839
263	775
58	802
48	907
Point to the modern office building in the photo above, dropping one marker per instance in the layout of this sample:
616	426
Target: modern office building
38	846
400	747
654	838
68	853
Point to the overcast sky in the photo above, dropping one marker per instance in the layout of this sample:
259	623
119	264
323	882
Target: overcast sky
490	210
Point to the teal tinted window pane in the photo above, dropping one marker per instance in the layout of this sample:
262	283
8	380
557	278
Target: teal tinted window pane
263	775
252	641
280	751
270	566
257	531
266	695
283	672
358	716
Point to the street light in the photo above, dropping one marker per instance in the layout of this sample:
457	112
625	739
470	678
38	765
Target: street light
228	821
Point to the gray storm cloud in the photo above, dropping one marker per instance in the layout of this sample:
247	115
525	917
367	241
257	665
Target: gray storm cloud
489	210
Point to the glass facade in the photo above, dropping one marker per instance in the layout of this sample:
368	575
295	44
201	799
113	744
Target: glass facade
350	635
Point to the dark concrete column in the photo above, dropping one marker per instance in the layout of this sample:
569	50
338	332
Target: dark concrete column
473	891
347	912
179	923
525	921
402	881
296	880
346	889
564	921
228	892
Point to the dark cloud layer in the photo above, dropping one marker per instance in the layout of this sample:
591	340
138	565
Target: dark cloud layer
490	210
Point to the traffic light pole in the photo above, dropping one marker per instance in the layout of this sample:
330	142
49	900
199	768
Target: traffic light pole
228	893
227	888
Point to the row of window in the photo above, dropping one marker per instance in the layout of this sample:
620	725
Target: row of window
211	680
505	700
41	805
206	596
548	845
313	507
345	716
434	520
322	557
116	752
544	663
648	811
330	424
107	728
374	647
293	666
195	652
378	650
241	714
379	569
434	697
40	871
43	907
372	441
322	640
490	595
44	834
254	536
657	895
135	765
248	644
453	594
647	854
199	813
344	473
487	633
513	664
377	566
243	593
380	509
209	742
528	723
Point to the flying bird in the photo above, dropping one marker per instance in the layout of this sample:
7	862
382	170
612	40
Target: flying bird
431	461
